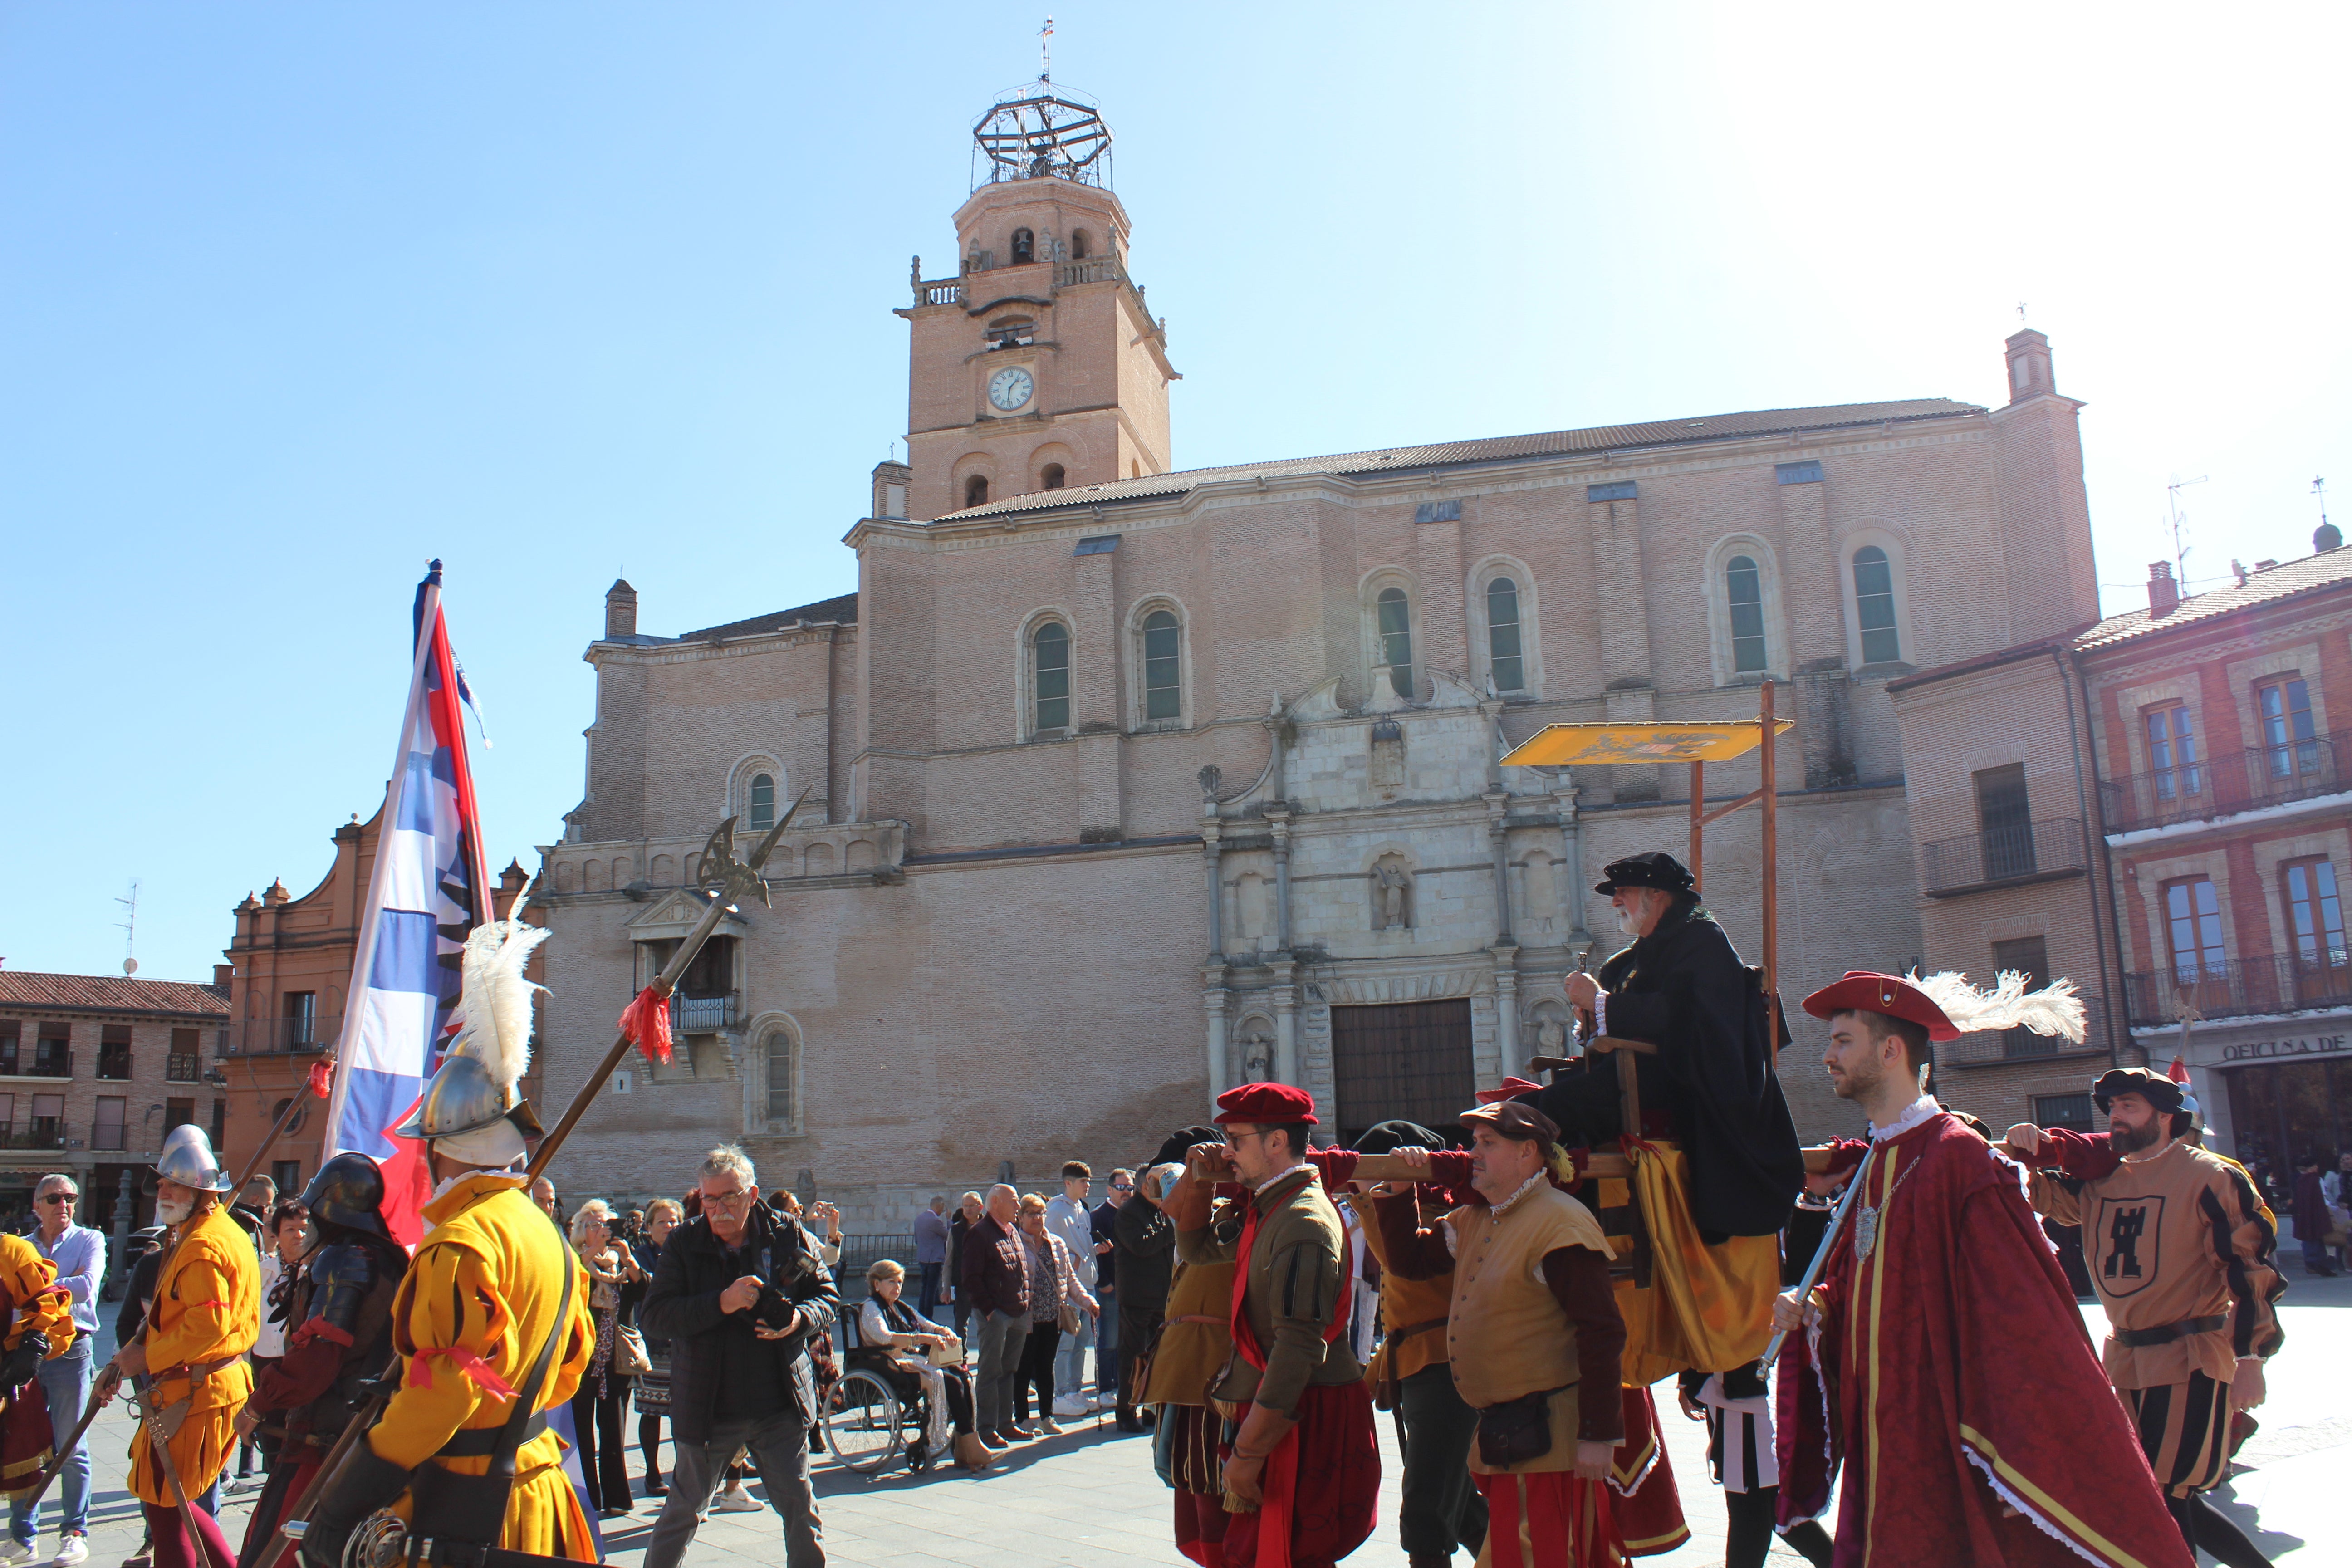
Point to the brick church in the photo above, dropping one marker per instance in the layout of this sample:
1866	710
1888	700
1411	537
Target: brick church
1128	782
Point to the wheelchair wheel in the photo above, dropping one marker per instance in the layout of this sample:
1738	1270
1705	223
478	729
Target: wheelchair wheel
861	1422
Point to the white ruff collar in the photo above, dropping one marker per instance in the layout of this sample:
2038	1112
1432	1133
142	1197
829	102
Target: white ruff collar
1540	1178
1921	1108
1281	1176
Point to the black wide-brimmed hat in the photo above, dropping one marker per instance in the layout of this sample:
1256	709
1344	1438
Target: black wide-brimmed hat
2153	1087
1654	869
1172	1151
1387	1137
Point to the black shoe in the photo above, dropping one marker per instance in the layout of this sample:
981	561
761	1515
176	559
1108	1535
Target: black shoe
1128	1422
656	1486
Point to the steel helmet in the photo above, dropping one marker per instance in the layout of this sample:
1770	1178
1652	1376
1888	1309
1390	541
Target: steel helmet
465	1096
348	1191
188	1158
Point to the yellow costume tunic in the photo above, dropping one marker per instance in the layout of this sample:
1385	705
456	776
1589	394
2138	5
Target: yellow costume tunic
206	1315
34	1302
470	1319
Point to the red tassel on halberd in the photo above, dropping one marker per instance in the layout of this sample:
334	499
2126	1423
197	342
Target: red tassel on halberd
645	1024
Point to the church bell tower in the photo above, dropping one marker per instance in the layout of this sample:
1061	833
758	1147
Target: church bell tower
1037	366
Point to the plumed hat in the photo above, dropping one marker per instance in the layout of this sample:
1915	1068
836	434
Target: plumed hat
1866	991
1510	1088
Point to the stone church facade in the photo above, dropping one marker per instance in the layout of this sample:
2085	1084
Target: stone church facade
1127	783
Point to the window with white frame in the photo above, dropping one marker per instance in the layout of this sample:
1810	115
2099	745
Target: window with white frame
1392	613
1163	660
762	801
1505	659
1743	595
781	1052
1873	605
1049	677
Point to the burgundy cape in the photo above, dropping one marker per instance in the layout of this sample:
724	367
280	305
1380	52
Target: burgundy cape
1954	1379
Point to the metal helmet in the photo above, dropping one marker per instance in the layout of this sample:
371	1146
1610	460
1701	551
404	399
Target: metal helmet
188	1158
348	1191
465	1096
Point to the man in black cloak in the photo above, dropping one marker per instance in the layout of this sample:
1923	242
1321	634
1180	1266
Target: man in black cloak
1710	1085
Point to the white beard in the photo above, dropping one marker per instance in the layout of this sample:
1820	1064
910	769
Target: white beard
173	1211
1625	925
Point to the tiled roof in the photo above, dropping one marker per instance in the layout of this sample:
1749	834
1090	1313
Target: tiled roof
109	993
1498	448
2280	582
842	610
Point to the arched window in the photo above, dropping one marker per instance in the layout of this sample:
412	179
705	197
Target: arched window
762	803
1080	244
1050	677
975	490
781	1110
1396	639
1744	590
1874	604
1163	644
1051	478
1024	246
1503	635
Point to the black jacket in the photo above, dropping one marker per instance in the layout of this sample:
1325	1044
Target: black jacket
681	1306
1710	1087
1146	1247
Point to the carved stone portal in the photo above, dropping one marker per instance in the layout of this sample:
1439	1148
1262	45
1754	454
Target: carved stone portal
1391	894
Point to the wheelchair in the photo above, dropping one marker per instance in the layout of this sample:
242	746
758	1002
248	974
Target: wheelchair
877	1411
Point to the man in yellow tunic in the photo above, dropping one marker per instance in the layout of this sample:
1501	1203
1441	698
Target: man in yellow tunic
494	1307
189	1363
39	1314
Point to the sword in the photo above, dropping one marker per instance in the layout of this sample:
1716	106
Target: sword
150	1417
1821	1254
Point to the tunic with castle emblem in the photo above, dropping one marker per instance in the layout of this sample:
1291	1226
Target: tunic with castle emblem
2174	1243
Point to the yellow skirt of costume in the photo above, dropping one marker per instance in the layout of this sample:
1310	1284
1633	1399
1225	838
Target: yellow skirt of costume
208	1310
1705	1308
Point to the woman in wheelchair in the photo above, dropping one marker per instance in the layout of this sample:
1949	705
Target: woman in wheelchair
891	1329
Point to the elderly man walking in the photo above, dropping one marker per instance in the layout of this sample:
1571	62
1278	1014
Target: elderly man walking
79	1255
932	1253
740	1294
995	1285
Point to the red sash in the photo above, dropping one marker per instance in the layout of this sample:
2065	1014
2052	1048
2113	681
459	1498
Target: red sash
1278	1481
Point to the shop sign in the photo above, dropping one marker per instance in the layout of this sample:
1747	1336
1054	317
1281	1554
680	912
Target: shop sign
2313	1046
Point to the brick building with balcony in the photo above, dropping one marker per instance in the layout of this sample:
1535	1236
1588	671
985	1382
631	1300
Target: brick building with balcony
94	1070
2155	806
290	967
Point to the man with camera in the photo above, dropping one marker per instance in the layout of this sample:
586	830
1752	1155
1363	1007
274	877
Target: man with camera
740	1292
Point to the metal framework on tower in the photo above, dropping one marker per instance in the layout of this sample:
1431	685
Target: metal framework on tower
1041	131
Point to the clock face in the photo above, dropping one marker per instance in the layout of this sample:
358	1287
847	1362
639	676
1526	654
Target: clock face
1011	388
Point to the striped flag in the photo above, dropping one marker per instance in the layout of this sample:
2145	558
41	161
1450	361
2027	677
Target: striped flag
430	887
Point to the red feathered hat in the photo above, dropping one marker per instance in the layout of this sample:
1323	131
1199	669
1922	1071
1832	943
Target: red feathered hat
1862	991
1510	1088
1265	1105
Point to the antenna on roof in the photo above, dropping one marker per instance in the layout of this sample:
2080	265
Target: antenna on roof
129	926
1045	52
2179	517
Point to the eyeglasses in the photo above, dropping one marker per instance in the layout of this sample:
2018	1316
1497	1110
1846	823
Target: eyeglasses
1122	1186
61	1197
733	1200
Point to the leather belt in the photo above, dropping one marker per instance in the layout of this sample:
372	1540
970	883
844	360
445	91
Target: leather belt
1398	1336
2141	1338
198	1372
482	1442
1201	1318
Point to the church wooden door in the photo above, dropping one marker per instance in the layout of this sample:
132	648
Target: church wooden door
1408	1061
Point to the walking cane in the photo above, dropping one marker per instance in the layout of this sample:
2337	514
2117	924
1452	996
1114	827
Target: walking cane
733	880
1821	1254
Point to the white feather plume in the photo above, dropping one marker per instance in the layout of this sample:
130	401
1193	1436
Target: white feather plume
2055	1009
495	1001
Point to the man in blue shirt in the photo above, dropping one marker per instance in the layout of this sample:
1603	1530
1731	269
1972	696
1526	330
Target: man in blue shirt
78	1254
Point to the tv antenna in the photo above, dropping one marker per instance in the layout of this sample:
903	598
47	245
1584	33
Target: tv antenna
129	926
2178	519
1045	52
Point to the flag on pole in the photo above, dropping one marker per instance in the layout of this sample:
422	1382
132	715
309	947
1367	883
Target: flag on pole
429	887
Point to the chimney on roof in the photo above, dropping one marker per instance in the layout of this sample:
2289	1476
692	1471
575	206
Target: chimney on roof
2163	592
2265	565
891	480
222	974
620	610
2029	366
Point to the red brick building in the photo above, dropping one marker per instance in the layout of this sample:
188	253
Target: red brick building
2157	808
94	1070
290	962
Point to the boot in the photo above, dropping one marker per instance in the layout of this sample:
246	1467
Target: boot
1430	1560
971	1453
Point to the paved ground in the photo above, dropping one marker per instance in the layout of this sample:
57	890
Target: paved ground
1089	1497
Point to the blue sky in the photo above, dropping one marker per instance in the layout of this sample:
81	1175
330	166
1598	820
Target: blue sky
293	297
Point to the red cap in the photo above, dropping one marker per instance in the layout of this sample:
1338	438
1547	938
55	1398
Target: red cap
1265	1105
1510	1088
1864	991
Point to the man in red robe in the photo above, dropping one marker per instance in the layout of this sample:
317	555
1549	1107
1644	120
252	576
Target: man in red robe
1943	1359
